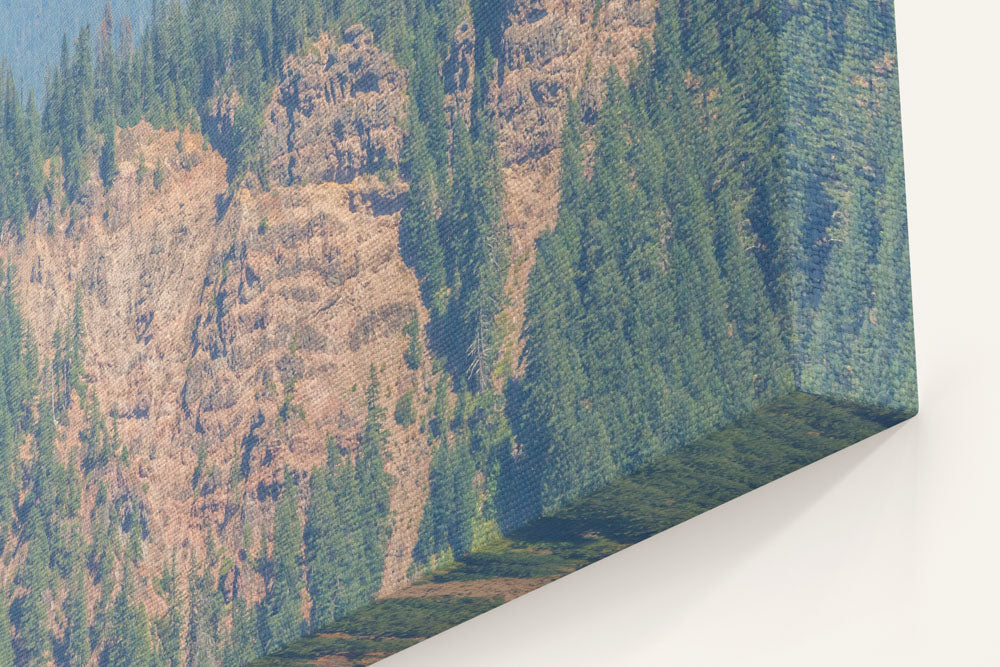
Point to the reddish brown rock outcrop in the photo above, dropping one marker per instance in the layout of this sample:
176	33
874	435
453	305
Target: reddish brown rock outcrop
556	48
336	113
242	329
243	325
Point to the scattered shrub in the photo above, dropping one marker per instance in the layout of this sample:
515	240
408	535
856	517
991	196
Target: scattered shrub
405	413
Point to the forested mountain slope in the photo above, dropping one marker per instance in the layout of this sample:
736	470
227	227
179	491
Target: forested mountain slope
745	214
304	298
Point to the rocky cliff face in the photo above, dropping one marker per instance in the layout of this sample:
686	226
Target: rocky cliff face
309	292
243	325
556	48
336	113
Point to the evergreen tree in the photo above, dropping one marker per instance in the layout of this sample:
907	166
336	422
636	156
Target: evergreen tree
373	490
428	92
322	547
169	625
454	223
48	475
481	251
413	351
34	636
463	510
204	616
6	643
352	589
77	638
433	533
129	641
73	169
20	154
108	162
440	417
418	235
16	395
106	70
244	644
284	602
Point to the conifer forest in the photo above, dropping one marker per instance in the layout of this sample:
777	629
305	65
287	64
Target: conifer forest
306	304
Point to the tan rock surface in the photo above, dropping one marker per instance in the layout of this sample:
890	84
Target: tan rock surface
197	323
203	309
335	115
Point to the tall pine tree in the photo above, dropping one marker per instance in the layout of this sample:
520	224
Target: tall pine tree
284	601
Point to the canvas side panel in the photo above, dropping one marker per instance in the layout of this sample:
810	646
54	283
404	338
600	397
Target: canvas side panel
844	233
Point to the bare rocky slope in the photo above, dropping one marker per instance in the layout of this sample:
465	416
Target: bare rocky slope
243	324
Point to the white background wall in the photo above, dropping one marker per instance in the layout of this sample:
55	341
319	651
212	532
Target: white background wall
885	554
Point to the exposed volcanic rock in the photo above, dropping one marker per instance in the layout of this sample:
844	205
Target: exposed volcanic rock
335	115
232	333
552	48
242	329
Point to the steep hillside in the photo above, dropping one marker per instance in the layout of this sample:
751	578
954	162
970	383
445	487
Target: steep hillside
230	335
303	304
207	315
229	331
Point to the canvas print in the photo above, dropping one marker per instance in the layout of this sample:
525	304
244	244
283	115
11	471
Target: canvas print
327	325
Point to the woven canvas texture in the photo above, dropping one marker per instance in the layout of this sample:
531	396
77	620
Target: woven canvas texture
353	320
